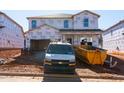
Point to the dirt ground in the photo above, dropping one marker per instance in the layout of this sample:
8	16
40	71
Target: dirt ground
7	53
120	65
29	67
50	79
26	64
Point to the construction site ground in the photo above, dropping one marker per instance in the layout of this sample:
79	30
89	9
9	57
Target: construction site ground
29	68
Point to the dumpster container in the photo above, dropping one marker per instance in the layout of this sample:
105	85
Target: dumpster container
91	55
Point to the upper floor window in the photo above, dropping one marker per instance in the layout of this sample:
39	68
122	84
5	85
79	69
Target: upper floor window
86	22
34	23
66	25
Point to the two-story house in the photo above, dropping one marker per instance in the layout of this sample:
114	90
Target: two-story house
64	27
11	36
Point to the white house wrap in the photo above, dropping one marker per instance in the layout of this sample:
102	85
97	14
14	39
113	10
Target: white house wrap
113	37
66	27
11	35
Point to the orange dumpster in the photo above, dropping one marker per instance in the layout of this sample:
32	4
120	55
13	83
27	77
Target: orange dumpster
91	55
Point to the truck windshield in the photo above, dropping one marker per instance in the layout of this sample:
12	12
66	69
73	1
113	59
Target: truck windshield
60	49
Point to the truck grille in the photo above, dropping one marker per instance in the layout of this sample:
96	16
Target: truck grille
54	60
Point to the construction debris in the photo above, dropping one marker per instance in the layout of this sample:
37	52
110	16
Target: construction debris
3	61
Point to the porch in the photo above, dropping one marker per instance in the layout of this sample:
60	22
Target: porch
76	36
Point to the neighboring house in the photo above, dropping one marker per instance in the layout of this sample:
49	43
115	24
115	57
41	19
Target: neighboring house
113	37
11	34
66	27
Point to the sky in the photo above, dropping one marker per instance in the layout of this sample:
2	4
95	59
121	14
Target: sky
107	17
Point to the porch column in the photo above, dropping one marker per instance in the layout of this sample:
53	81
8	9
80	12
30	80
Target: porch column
63	37
76	40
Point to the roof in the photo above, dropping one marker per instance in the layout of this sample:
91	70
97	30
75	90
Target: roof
88	12
13	21
40	27
61	15
120	22
1	12
66	30
80	30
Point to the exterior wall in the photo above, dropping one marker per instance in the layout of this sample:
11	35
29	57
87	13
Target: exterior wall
44	32
58	23
11	36
95	41
78	21
114	38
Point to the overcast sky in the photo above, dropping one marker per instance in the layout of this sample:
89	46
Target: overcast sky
107	19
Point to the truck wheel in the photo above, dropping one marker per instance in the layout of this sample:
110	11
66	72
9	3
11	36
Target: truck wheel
45	71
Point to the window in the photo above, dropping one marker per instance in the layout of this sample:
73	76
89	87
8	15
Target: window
34	23
66	24
86	22
58	49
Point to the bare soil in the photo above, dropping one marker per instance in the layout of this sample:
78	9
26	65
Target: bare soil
7	53
25	64
33	64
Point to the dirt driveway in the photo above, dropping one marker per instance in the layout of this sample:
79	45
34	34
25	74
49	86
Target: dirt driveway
30	68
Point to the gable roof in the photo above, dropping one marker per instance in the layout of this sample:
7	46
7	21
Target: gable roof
66	30
61	15
88	12
10	19
40	27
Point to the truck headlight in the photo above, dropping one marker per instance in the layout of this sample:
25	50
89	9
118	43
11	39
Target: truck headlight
47	60
72	60
73	64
